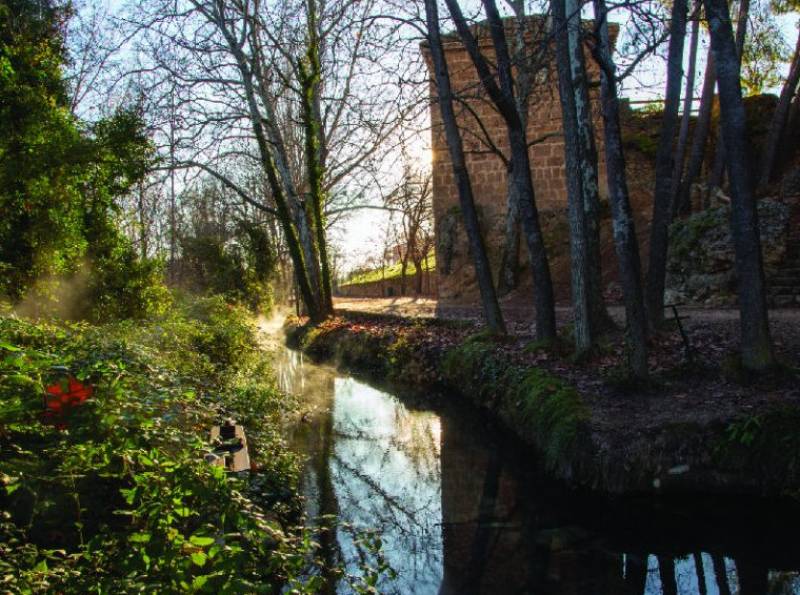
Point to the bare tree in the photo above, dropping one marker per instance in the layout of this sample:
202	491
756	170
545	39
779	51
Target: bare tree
664	167
491	308
584	331
280	86
688	98
756	341
699	138
502	94
627	246
412	200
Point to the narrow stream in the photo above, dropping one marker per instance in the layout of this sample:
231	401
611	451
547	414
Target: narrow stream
459	510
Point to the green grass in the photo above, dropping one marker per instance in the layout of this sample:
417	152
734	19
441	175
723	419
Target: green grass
391	272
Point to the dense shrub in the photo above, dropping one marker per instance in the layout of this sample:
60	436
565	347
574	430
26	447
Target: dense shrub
241	267
118	498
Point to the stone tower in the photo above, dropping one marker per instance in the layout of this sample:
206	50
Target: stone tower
484	135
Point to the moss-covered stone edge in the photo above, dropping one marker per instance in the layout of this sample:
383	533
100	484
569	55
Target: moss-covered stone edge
541	409
754	454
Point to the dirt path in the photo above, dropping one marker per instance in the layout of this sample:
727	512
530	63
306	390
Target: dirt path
706	327
409	307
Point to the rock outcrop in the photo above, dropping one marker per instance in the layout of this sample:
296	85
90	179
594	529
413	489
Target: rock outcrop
701	268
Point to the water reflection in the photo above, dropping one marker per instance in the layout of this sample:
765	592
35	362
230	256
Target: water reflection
458	513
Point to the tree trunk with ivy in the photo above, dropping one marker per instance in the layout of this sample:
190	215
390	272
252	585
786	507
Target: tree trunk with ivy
310	71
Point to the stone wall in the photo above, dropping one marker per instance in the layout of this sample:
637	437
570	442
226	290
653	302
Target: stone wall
391	287
478	119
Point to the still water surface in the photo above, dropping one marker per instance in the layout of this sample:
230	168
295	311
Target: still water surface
459	510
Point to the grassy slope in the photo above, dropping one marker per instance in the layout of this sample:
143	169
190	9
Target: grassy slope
391	272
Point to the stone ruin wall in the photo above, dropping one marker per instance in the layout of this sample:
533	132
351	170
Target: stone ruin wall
488	172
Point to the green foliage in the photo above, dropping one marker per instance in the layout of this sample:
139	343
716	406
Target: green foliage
552	409
59	180
768	445
476	359
121	499
765	50
745	431
541	406
226	335
685	234
37	141
242	268
642	142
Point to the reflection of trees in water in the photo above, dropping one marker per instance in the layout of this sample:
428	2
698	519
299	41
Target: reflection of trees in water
376	464
386	471
414	435
706	574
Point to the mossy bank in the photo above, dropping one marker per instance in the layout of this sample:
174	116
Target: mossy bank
612	444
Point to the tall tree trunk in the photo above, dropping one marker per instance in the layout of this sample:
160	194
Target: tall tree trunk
418	276
756	342
300	210
303	221
587	149
718	169
627	246
491	308
520	176
509	258
683	134
270	167
779	119
662	196
403	270
700	136
583	330
310	79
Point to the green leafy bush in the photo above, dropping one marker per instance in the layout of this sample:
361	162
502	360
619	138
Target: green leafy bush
223	332
120	498
241	267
